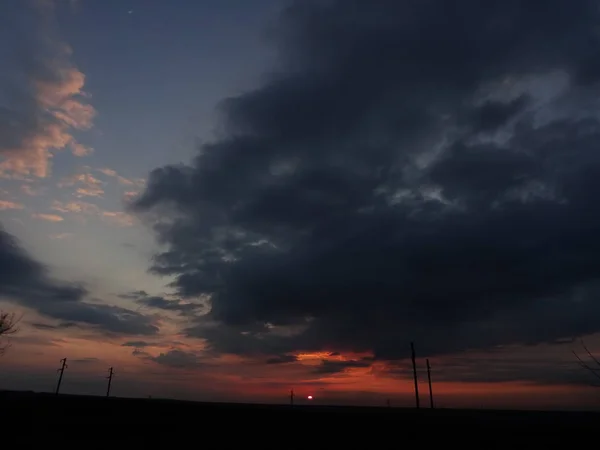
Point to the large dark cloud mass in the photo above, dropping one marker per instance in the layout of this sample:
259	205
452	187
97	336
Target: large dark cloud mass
413	170
143	299
26	281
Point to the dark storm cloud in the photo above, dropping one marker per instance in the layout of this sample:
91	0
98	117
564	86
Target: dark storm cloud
157	302
500	368
47	326
413	171
26	281
282	359
328	367
136	344
178	359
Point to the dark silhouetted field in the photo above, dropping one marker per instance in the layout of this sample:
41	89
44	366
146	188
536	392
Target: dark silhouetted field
77	420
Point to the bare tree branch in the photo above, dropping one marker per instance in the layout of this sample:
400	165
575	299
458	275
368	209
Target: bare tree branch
593	370
8	326
590	354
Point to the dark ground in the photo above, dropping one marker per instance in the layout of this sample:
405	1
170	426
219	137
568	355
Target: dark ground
78	420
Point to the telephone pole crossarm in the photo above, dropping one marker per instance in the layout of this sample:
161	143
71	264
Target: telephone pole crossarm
109	377
61	371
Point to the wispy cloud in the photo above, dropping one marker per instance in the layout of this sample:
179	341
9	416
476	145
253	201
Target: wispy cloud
81	150
7	204
118	218
121	179
108	172
136	344
48	217
75	207
164	303
130	196
29	190
81	208
30	286
86	185
60	236
43	91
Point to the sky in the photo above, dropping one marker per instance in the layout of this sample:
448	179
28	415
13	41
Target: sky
224	200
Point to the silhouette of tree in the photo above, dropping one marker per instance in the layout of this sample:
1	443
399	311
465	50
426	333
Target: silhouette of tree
593	366
8	326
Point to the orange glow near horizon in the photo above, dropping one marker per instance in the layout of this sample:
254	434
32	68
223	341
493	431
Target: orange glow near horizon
312	356
237	378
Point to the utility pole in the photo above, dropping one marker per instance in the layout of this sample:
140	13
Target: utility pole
429	380
110	375
61	371
292	397
412	351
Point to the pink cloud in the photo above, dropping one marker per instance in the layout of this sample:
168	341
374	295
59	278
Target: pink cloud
130	195
125	181
81	150
76	207
86	185
47	102
118	218
29	190
108	172
81	208
6	204
88	192
48	217
113	174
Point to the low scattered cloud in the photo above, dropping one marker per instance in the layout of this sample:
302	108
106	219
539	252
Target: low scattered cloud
48	217
282	359
7	204
81	150
158	302
47	326
75	207
113	174
130	196
178	359
108	172
139	353
81	209
25	281
136	344
89	191
42	91
119	218
329	367
86	185
28	189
